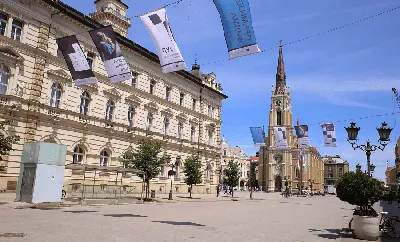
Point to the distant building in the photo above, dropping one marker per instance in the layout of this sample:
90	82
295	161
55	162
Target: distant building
237	155
334	167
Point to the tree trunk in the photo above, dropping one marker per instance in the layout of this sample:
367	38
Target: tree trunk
147	189
232	191
191	187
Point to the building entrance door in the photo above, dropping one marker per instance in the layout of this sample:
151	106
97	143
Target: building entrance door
278	184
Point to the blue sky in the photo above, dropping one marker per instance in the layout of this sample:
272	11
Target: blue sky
342	75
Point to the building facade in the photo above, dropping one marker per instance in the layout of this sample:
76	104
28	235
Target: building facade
238	156
335	167
278	165
98	122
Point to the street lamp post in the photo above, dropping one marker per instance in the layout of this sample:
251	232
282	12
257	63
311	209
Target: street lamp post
384	133
171	173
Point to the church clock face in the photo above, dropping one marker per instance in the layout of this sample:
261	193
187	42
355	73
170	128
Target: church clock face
278	103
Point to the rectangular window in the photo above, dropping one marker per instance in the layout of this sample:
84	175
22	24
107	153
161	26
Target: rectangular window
181	97
152	86
279	118
167	93
211	111
90	58
192	134
210	137
134	79
16	30
3	24
194	105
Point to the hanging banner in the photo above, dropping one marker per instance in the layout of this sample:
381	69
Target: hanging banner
305	157
328	130
108	47
258	136
238	27
170	57
280	138
302	136
76	61
397	96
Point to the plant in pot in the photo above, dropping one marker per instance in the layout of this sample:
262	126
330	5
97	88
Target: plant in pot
362	190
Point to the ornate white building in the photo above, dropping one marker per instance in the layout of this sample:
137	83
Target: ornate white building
99	122
237	155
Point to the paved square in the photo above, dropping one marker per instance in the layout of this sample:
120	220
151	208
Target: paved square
273	218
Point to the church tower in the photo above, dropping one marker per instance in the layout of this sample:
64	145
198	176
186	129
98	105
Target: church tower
280	115
112	12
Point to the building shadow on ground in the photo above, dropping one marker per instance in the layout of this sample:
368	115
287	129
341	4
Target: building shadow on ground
179	223
332	234
186	197
46	209
125	216
82	211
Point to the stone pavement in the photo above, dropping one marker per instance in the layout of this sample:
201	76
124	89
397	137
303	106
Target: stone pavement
269	217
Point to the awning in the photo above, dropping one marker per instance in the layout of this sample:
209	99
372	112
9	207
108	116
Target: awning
102	168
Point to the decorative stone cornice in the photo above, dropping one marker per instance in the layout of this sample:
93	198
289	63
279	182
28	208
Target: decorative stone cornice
151	106
133	101
167	112
113	94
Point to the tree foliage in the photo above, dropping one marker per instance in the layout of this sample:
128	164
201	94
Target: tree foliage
145	158
6	142
232	174
192	171
358	188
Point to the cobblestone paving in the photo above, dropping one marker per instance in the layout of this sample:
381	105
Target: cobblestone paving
269	217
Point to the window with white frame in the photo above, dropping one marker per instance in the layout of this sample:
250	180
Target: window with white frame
167	93
149	121
3	24
180	130
210	136
85	100
193	134
16	30
110	110
162	170
90	58
194	104
55	96
78	155
5	76
131	116
210	111
104	156
152	86
166	126
181	98
134	79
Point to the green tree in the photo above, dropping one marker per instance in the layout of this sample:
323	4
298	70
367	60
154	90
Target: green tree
6	142
232	174
145	158
192	170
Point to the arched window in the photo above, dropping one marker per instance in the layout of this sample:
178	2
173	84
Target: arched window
55	96
85	100
149	121
224	151
193	134
180	130
110	110
4	76
104	156
278	118
131	116
166	126
297	172
210	136
77	157
16	30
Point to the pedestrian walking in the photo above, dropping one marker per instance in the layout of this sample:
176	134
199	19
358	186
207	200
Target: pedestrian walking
217	190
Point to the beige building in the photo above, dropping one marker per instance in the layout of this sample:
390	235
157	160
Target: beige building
99	122
276	165
335	167
237	155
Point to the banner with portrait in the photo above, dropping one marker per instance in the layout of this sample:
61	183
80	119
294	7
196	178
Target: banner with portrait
281	138
76	60
111	55
302	136
170	57
238	27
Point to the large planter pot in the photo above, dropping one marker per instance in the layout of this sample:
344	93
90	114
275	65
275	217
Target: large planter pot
366	228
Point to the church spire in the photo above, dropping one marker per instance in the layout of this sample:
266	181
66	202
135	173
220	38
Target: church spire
280	71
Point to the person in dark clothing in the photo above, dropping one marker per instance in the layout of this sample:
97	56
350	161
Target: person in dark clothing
217	190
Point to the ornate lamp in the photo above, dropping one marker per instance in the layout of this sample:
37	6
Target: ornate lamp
352	131
372	167
384	132
358	167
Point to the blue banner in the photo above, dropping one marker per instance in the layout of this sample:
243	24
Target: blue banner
258	135
236	21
